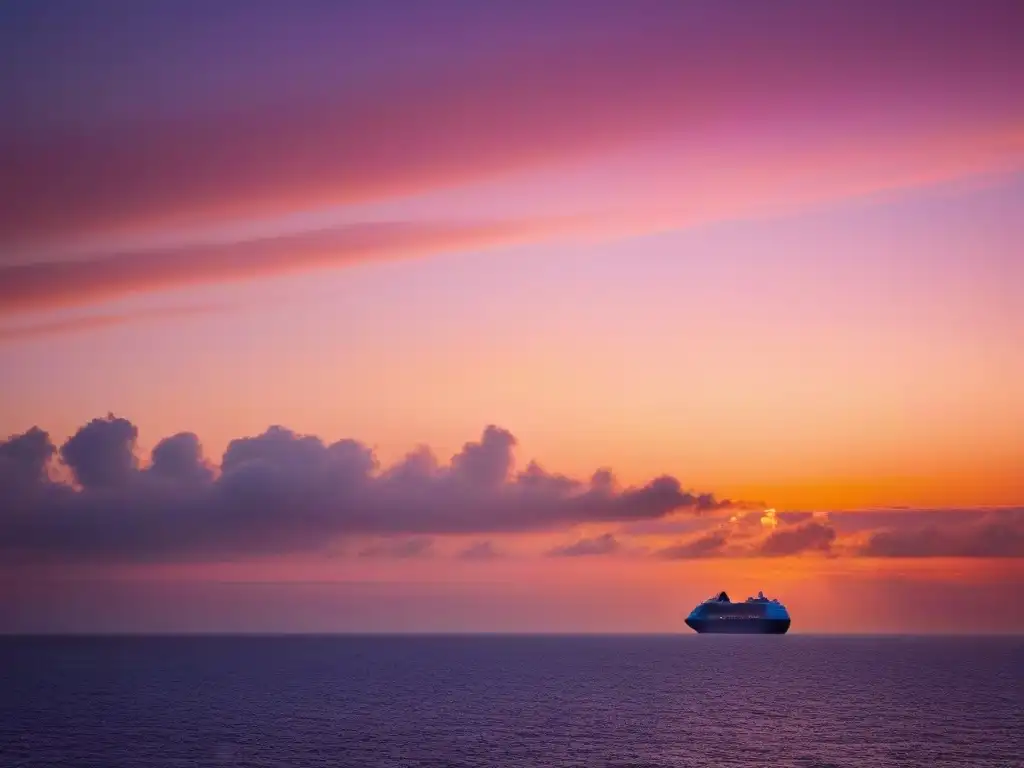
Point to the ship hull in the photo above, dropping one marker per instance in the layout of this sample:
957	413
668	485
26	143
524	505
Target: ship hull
739	626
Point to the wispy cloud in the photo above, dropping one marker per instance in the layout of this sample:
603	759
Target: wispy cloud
992	533
108	320
291	135
481	550
605	544
417	546
85	281
670	188
906	533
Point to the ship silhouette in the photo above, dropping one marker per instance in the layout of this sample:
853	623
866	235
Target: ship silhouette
754	616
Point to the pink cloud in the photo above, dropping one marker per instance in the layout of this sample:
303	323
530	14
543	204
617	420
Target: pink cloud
84	281
798	65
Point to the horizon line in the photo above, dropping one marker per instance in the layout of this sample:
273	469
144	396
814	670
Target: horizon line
351	634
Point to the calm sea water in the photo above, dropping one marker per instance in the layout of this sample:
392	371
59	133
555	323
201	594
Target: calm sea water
512	701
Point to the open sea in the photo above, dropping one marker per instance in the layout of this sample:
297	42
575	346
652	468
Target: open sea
797	700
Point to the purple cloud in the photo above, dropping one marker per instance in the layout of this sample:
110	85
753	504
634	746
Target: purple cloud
993	533
24	457
605	544
28	286
283	492
709	545
481	550
417	546
803	537
102	453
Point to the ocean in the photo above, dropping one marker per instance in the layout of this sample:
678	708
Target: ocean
795	701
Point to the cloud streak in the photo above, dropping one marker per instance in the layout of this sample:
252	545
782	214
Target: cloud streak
418	546
107	320
804	537
605	544
709	545
68	283
995	533
481	550
910	533
294	130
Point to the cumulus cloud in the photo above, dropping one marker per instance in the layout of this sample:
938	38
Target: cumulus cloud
489	462
605	544
283	492
24	457
102	453
23	469
180	458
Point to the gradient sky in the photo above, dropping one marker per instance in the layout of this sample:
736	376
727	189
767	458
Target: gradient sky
743	280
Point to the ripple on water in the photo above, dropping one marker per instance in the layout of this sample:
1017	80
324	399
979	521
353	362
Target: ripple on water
665	702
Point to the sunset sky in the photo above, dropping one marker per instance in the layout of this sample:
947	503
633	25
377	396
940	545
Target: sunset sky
524	316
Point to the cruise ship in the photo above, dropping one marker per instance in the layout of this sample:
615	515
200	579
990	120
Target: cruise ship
754	616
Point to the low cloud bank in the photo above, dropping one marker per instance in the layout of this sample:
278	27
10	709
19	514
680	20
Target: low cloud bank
894	533
283	492
605	544
987	533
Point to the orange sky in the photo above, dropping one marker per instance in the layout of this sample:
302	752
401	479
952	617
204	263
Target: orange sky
774	256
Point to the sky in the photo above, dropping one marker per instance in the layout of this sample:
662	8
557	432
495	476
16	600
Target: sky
510	317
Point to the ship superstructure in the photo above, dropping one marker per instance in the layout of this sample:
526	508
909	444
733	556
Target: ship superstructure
754	616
